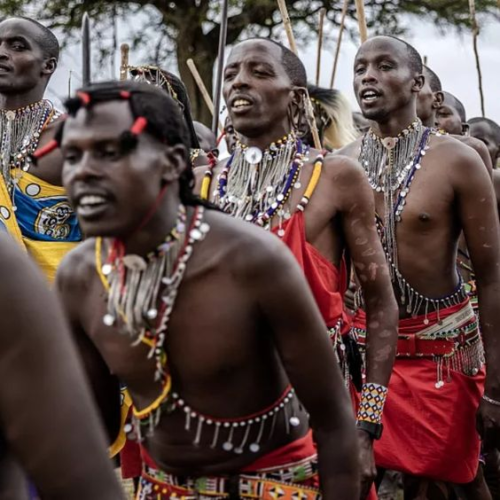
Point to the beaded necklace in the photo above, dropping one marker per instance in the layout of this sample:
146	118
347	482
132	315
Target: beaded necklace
255	186
143	292
391	165
20	132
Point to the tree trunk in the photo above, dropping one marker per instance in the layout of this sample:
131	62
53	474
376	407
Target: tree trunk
193	44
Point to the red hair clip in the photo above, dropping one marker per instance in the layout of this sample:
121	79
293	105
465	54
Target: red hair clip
139	126
48	148
84	97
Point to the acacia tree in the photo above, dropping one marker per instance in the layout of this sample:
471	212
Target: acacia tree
190	28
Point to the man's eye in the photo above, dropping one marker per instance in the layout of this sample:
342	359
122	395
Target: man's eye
385	67
70	156
359	70
229	76
18	46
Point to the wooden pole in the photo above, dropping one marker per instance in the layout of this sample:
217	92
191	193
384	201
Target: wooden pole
288	25
322	14
125	49
293	47
203	89
86	50
475	34
220	66
339	42
360	9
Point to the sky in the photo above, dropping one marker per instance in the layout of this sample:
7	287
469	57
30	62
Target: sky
450	55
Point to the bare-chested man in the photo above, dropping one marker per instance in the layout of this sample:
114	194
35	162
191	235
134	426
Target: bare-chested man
33	206
49	427
487	131
430	100
322	208
427	189
227	337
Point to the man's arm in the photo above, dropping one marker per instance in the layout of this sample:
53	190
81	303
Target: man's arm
358	223
311	365
48	419
105	387
478	215
481	149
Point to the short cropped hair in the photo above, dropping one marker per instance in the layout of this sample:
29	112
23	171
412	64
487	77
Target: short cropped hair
494	125
414	58
434	81
294	67
457	105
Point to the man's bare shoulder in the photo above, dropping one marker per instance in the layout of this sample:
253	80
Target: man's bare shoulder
77	269
343	172
351	150
478	146
455	152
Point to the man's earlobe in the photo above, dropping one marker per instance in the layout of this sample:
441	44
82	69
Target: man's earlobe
418	83
50	66
438	99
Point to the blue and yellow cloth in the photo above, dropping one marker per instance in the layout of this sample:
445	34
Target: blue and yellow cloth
40	218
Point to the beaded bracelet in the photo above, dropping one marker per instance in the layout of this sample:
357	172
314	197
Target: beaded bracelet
373	398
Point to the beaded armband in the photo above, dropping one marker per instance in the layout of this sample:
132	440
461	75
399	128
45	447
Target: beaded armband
373	398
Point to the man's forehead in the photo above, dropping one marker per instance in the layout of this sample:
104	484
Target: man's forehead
382	46
112	118
19	27
258	50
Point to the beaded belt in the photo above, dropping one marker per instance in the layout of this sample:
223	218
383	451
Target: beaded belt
279	483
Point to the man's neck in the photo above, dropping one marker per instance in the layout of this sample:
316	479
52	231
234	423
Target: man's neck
430	121
152	233
394	125
16	101
265	140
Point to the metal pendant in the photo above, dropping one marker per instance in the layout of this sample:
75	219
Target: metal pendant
253	155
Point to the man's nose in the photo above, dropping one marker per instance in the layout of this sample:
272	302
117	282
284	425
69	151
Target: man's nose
87	168
369	76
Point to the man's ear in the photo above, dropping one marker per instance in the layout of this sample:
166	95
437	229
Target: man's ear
418	83
174	162
465	128
298	95
49	66
438	99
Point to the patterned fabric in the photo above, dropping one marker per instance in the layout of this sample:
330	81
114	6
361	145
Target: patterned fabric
372	403
297	481
42	221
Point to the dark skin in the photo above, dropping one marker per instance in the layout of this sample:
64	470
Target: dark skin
448	118
206	137
44	396
484	132
25	71
445	199
340	213
256	338
430	103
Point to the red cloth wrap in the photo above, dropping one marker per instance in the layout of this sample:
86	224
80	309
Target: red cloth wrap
327	283
429	432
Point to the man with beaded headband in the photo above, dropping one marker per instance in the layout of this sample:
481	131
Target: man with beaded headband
33	205
221	337
428	189
320	207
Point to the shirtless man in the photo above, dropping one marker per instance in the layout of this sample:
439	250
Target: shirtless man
320	208
48	420
243	332
432	202
430	101
451	116
33	206
487	131
206	138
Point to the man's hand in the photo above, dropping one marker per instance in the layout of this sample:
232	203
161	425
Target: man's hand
368	470
488	424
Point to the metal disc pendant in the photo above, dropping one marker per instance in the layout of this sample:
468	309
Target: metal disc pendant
254	448
253	155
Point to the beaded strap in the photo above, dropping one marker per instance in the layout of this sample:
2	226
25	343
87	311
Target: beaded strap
372	403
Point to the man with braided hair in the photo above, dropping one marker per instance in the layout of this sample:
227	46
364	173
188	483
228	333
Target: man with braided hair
224	415
33	207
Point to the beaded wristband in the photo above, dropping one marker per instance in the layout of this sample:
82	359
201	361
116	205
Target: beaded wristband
373	398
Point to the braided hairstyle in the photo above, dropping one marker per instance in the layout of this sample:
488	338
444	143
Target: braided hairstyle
154	111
